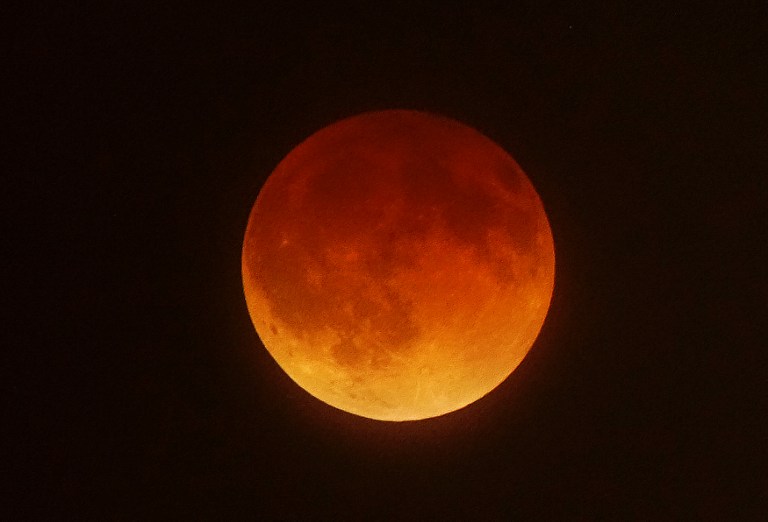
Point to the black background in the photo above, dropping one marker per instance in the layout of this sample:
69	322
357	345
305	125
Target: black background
140	136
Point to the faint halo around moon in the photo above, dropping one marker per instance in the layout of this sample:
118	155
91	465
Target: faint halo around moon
398	265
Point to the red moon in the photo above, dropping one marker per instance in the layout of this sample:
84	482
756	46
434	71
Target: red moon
398	265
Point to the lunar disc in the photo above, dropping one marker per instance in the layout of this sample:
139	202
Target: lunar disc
398	265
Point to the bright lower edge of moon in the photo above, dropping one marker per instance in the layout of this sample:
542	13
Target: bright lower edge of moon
398	265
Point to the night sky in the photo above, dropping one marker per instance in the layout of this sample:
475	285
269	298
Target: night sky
140	136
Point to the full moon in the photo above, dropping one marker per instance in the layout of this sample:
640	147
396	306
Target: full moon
398	265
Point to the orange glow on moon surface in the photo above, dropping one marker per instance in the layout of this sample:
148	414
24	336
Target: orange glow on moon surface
398	265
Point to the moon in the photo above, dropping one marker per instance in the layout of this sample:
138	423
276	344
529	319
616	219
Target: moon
398	265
